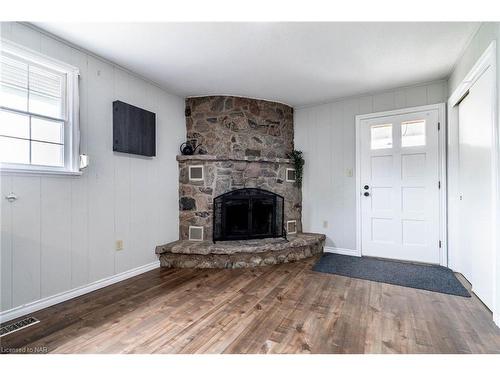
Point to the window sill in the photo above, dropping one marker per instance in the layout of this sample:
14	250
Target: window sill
38	172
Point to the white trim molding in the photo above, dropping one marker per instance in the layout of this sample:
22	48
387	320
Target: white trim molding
70	116
443	225
61	297
339	250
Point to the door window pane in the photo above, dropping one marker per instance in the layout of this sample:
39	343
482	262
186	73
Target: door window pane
13	150
47	154
413	133
14	125
381	136
46	130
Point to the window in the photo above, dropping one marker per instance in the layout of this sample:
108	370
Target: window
381	136
413	133
38	112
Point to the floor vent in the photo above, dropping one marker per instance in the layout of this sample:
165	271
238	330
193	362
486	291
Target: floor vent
16	326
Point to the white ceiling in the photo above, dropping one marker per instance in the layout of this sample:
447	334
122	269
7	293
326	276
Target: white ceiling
294	63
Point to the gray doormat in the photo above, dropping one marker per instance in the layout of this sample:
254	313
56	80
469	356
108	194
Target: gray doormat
428	277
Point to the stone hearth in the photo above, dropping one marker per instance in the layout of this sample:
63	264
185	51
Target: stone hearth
240	254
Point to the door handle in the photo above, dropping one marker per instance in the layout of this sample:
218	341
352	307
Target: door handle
366	187
366	194
11	197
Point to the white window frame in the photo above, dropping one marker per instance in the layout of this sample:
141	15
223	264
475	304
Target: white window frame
287	226
71	114
202	233
202	173
286	175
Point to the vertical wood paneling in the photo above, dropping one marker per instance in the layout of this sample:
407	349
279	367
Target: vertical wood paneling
79	232
384	101
26	242
101	172
55	229
416	96
122	196
5	244
351	109
66	227
79	188
328	191
25	36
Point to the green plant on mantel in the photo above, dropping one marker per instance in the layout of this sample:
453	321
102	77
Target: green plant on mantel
298	162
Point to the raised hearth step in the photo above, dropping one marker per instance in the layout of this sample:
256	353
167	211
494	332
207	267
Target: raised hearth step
240	254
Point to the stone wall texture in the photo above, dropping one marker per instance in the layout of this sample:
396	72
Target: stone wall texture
239	127
220	176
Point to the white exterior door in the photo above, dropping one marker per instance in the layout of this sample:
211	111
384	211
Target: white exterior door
399	176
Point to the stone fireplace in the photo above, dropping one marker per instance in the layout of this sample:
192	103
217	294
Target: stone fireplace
237	194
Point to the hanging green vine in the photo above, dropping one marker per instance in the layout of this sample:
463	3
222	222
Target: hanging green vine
298	162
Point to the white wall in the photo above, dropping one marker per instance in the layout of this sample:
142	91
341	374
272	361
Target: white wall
61	232
326	134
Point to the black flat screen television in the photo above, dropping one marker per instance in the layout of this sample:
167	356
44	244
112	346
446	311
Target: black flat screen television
134	130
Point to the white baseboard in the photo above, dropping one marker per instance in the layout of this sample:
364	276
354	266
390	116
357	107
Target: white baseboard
339	250
64	296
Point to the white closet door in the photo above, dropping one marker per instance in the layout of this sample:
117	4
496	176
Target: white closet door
475	260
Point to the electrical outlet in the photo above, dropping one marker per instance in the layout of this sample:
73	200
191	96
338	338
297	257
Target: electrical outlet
325	223
119	245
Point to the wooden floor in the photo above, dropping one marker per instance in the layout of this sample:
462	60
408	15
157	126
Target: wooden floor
279	309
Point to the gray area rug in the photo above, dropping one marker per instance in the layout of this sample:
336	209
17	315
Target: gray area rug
428	277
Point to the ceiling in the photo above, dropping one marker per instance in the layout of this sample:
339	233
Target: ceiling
294	63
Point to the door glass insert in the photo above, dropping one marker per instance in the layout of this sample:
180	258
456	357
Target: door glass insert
381	136
413	133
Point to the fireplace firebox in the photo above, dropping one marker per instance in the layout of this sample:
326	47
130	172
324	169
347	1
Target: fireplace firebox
248	213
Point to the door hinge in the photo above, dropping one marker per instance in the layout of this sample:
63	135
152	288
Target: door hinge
439	126
440	244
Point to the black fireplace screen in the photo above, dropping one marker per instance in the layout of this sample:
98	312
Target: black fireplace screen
247	214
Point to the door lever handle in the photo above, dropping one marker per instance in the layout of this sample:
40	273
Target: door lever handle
11	197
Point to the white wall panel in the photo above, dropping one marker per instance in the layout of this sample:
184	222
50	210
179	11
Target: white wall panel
61	232
26	244
5	244
326	134
55	230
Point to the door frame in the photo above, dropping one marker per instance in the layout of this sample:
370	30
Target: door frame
441	108
487	60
